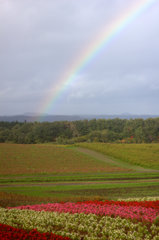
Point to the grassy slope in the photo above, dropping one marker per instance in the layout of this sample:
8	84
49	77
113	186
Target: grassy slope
145	155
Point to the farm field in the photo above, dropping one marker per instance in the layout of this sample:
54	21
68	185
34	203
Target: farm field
44	159
46	172
66	192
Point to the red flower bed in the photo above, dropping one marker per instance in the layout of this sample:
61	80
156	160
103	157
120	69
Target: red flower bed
11	233
146	204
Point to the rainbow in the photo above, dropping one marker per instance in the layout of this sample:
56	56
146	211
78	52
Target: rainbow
94	48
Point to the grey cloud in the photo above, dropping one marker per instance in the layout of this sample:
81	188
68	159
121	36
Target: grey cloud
40	39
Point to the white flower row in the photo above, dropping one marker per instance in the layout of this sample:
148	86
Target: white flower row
139	199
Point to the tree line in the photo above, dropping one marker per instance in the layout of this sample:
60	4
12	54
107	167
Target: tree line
69	132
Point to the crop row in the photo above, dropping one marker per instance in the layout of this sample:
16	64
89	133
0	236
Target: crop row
146	204
8	233
139	199
140	211
80	226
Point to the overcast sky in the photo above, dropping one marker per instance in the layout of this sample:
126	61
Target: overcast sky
40	39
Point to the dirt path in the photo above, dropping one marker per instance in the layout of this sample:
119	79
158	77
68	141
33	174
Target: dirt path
113	162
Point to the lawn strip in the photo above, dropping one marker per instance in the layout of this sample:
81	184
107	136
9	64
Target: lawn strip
18	184
44	190
79	177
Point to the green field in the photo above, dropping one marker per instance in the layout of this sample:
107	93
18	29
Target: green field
50	173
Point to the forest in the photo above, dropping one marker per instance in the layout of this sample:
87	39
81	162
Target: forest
69	132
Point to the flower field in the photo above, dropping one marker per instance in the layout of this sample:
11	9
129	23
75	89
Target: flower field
87	220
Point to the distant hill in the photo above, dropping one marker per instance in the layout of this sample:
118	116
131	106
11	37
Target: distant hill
52	118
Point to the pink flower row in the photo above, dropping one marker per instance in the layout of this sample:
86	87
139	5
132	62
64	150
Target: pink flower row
129	212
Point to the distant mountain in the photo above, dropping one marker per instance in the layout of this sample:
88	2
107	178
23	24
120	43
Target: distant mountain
32	117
